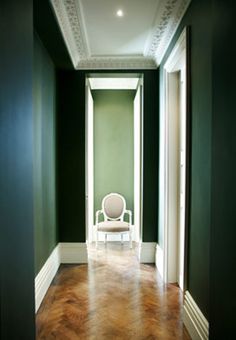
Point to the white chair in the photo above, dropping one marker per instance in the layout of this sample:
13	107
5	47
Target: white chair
113	210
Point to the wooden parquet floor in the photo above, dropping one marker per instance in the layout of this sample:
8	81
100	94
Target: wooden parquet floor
113	297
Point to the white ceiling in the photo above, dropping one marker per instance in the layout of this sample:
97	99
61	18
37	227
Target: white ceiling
97	38
110	35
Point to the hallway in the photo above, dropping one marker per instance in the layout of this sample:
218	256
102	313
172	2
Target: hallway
113	297
48	50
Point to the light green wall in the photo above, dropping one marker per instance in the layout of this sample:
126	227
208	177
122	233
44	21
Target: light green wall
44	155
113	145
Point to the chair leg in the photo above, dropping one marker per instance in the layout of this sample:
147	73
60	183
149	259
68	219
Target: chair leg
96	239
130	240
105	238
121	235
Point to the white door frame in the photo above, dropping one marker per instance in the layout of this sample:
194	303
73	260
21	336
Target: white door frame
89	162
89	168
176	62
138	162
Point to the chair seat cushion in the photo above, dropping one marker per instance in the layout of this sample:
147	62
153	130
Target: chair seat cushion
113	226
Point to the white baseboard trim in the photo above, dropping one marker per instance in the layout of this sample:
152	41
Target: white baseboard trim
147	251
62	253
195	322
160	260
45	276
73	252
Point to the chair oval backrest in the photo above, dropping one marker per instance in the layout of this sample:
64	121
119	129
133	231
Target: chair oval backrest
113	206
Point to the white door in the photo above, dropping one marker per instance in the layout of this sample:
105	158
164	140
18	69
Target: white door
182	176
174	147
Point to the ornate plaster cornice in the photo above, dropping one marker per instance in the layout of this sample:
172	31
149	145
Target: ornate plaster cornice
69	17
71	27
120	63
168	18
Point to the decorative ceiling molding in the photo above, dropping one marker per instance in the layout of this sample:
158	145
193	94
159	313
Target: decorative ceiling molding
70	25
168	19
69	16
120	63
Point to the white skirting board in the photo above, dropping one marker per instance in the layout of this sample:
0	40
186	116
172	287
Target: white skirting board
160	260
147	252
45	276
195	322
73	252
62	253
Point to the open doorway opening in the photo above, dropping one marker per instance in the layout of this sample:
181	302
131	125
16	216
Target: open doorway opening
114	138
175	160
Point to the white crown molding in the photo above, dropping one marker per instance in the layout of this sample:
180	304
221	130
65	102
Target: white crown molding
173	23
69	14
80	11
66	12
195	322
169	15
121	63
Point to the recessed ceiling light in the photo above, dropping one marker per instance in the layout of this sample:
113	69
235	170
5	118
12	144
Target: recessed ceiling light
119	13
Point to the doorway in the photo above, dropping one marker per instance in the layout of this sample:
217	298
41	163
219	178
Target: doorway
175	160
105	94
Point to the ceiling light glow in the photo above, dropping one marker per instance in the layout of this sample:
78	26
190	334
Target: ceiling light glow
119	13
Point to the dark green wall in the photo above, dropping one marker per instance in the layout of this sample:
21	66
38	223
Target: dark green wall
223	213
44	155
46	25
198	17
71	155
150	155
113	145
16	171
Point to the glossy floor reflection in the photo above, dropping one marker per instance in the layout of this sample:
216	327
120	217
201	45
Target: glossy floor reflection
113	297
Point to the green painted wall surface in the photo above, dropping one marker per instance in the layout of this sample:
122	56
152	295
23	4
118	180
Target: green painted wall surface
198	17
113	145
44	155
150	155
71	154
223	213
17	310
46	26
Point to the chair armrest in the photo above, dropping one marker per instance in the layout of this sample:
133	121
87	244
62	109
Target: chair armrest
129	212
99	212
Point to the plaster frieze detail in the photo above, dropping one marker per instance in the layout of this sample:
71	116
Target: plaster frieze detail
122	63
76	27
168	18
178	14
70	25
164	13
69	16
